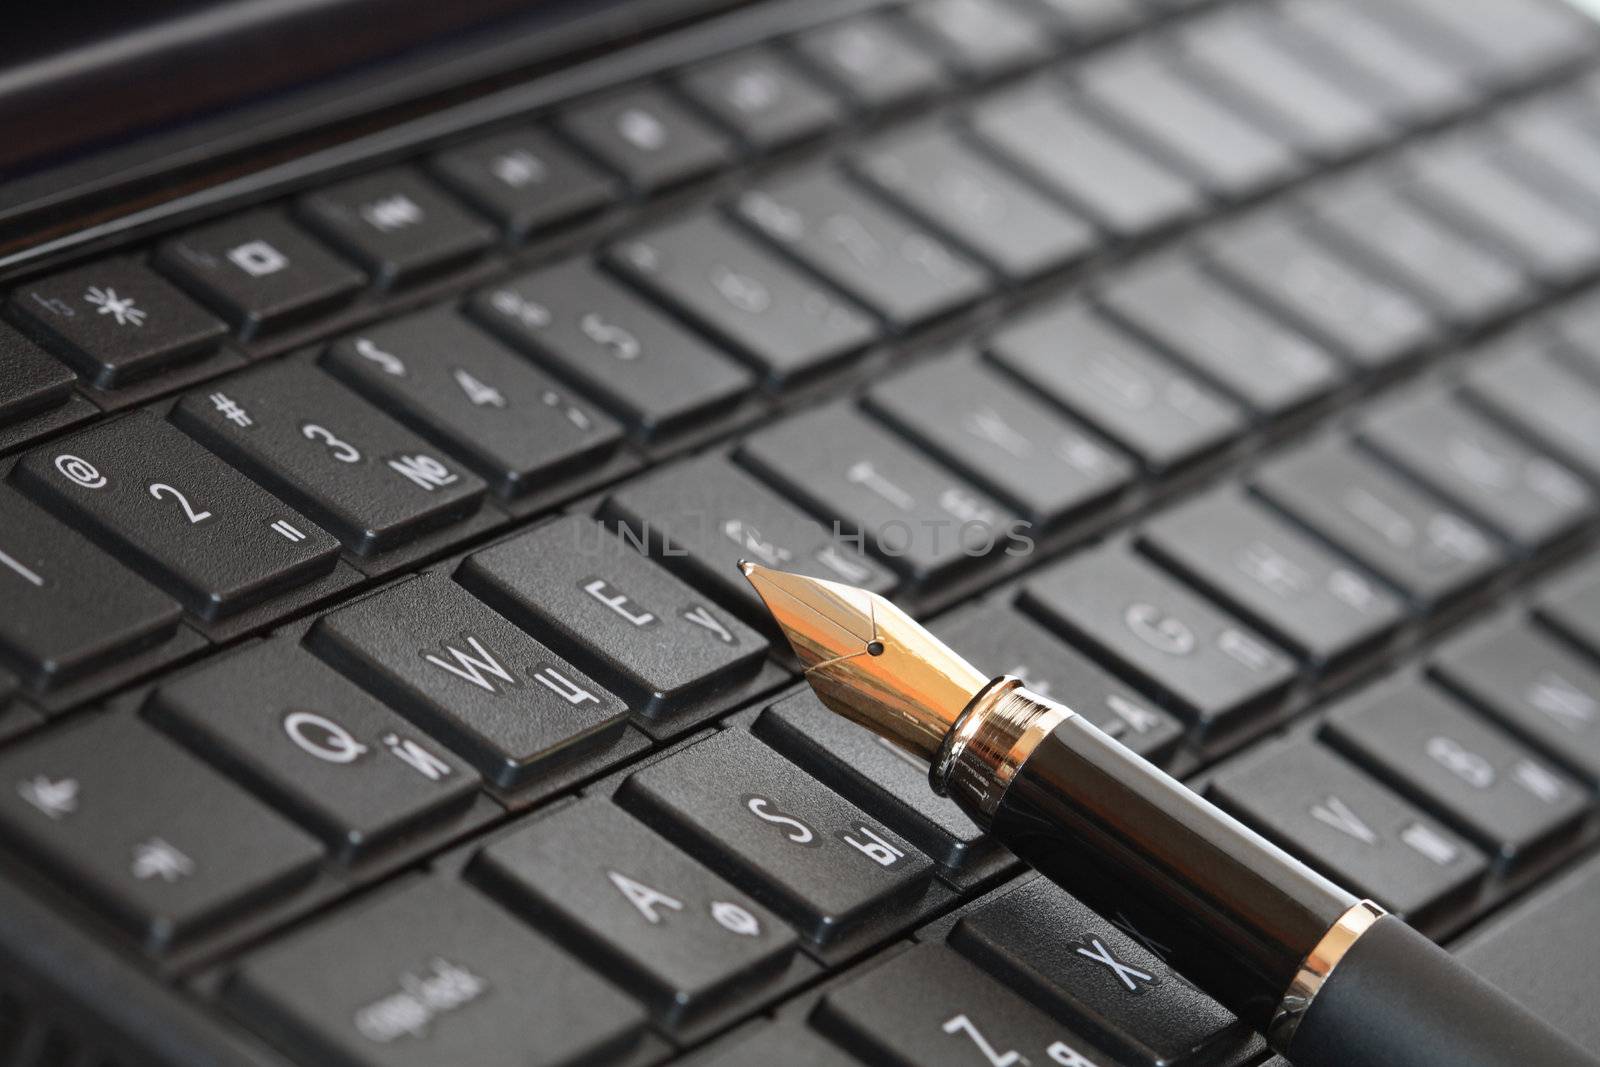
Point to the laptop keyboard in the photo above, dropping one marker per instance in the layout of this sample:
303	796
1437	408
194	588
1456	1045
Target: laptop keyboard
375	675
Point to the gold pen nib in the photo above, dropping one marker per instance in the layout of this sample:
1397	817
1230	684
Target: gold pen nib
868	660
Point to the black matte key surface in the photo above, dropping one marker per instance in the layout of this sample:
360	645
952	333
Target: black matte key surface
525	180
125	817
470	678
1463	280
1047	134
776	832
153	497
334	758
1470	774
1312	803
975	203
30	380
763	98
371	481
1543	400
1553	145
1373	323
1003	438
1175	644
397	225
1116	384
1090	20
928	1005
516	426
1522	494
1271	368
1533	685
769	313
69	607
1415	542
115	320
981	38
431	973
668	930
1463	182
1216	146
649	139
659	643
885	261
1572	606
1114	990
885	780
702	516
779	1045
651	372
259	271
1267	570
918	518
872	61
1497	41
997	639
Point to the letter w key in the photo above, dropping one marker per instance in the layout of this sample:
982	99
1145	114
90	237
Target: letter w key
478	666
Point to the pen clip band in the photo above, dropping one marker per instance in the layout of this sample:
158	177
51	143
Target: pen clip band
994	735
1315	969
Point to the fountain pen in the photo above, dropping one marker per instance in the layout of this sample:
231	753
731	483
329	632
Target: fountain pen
1332	980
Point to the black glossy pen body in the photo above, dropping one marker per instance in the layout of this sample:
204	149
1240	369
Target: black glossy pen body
1230	911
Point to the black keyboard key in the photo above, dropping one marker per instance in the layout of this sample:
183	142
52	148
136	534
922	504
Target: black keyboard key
115	320
1577	327
153	835
1534	686
513	424
648	138
1215	146
259	271
1043	132
351	770
428	973
1464	183
1554	145
702	516
1314	804
1484	784
1543	400
865	769
1540	951
1525	496
655	640
1090	20
928	1005
1303	595
1105	377
1572	606
1369	60
763	98
1002	437
668	930
872	62
779	1045
765	310
1268	366
1372	323
397	225
469	677
155	498
1239	53
1174	644
1499	42
1462	280
982	38
1000	640
371	481
652	373
921	520
30	380
525	181
903	273
69	608
1110	988
777	833
1422	547
975	203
